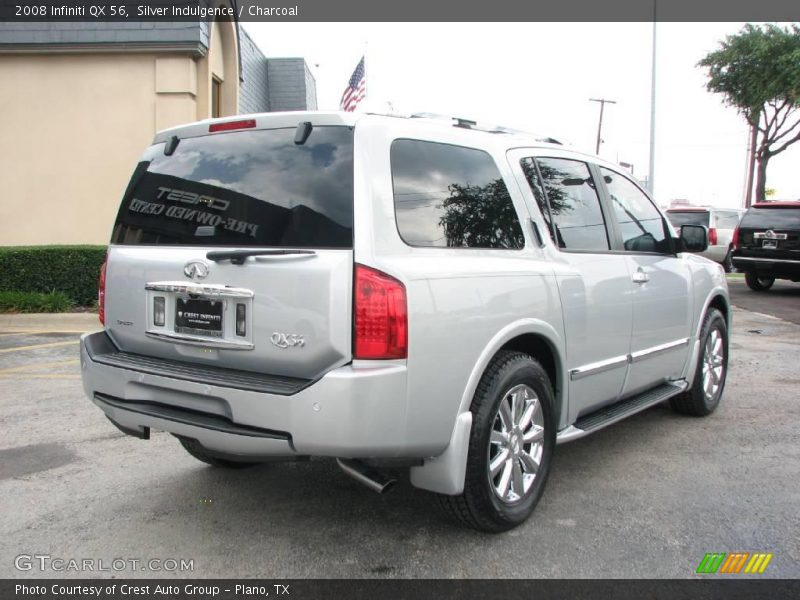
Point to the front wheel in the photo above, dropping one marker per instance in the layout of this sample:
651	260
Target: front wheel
758	284
702	398
511	445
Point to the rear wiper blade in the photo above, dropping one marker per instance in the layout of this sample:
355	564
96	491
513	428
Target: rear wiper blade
237	257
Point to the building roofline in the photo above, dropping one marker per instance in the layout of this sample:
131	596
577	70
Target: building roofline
193	48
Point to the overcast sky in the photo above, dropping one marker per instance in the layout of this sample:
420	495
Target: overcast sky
539	77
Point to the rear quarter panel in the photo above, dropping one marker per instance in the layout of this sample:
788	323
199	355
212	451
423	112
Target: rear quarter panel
459	300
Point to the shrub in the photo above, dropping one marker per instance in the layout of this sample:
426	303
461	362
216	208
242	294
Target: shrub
71	270
12	301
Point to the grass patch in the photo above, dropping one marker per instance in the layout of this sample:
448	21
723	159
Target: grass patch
33	302
734	275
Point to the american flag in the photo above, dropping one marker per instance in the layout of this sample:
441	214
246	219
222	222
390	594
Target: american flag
356	88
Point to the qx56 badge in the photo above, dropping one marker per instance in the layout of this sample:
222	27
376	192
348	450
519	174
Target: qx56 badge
287	340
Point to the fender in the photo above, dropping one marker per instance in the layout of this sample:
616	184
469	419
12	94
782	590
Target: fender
691	365
445	473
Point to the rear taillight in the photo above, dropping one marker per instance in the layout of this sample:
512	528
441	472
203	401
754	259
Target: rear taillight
380	316
735	241
101	293
712	237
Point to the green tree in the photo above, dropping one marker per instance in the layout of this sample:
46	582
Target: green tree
758	71
480	216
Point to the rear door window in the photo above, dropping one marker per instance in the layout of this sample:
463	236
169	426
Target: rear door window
246	188
577	217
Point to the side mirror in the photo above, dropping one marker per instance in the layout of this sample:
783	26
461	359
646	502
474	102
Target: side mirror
694	238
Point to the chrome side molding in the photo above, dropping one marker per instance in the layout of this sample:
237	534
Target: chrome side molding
199	289
618	361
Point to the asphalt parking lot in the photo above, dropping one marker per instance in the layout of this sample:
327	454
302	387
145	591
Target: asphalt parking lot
647	497
782	300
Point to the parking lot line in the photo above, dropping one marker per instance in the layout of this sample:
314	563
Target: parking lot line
37	346
34	366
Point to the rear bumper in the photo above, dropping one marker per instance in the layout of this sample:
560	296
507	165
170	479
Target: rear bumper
356	411
769	267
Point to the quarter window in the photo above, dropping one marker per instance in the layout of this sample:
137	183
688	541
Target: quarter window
451	197
577	217
640	223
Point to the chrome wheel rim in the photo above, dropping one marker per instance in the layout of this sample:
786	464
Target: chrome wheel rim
516	444
713	365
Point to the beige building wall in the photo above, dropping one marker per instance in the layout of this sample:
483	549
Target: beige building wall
72	127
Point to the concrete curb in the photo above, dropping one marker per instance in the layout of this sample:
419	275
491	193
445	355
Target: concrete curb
51	322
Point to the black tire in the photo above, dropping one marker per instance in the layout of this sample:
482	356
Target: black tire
480	506
695	401
727	264
758	284
194	448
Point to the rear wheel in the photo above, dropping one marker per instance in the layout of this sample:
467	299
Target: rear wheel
712	369
511	445
727	264
758	284
194	448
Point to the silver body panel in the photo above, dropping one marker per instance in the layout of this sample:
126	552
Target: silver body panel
610	337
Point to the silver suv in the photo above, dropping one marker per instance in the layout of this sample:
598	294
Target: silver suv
720	223
397	292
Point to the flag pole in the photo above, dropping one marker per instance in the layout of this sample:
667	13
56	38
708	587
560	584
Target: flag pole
366	81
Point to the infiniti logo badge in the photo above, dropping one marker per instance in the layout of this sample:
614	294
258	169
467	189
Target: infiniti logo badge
196	269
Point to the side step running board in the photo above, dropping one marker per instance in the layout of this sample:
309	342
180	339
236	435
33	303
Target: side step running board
616	412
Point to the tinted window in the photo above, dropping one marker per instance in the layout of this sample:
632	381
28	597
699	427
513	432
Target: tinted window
532	175
689	217
726	219
578	221
248	188
450	196
640	223
772	218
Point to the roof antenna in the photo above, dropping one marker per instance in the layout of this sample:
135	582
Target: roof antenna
302	132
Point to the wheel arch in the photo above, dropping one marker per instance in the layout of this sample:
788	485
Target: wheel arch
445	473
533	337
718	298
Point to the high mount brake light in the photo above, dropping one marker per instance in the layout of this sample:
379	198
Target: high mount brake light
232	125
380	316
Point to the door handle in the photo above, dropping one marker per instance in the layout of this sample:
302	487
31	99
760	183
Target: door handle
640	276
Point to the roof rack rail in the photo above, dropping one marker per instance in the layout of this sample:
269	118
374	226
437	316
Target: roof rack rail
472	124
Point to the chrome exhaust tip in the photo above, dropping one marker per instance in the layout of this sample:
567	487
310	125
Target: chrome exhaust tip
366	475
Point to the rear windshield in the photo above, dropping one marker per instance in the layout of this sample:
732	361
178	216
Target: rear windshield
693	217
772	218
246	188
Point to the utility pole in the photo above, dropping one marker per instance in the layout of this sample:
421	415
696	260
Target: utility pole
603	103
651	174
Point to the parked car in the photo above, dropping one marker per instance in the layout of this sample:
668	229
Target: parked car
766	245
397	291
720	222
